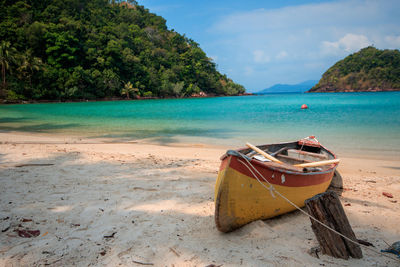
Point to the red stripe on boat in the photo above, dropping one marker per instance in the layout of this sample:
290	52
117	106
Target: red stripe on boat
224	163
274	176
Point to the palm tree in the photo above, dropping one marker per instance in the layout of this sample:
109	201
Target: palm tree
29	64
7	57
128	89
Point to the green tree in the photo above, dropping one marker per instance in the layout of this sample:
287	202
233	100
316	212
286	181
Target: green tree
88	49
29	64
129	89
177	89
8	56
110	82
365	70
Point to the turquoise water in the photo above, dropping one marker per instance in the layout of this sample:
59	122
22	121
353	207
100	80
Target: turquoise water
350	122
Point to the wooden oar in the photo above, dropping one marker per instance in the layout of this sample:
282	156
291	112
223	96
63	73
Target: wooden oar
318	163
265	154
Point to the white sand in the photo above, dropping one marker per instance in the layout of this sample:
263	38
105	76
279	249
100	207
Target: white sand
157	204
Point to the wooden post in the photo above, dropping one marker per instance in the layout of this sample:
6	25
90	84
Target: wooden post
326	207
336	183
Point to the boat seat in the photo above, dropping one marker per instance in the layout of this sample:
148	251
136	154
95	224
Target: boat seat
286	167
305	155
291	159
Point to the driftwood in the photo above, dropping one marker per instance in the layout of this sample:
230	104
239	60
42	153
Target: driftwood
142	263
326	207
33	165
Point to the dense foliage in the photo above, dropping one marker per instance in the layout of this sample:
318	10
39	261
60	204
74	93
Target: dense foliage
74	49
370	69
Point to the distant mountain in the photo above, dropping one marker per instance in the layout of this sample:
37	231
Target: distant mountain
289	88
369	69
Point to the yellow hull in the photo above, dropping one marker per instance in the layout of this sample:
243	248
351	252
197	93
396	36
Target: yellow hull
240	198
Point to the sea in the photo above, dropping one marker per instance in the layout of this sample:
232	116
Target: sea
350	123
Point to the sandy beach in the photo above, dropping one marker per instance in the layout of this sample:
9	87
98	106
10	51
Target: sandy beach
138	204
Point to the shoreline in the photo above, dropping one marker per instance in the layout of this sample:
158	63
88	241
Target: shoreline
22	137
46	101
123	203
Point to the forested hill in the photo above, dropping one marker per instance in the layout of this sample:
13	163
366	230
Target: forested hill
94	49
370	69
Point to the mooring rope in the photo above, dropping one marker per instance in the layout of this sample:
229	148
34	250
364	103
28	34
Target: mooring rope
272	189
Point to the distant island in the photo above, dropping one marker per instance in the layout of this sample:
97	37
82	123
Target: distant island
288	88
370	69
83	50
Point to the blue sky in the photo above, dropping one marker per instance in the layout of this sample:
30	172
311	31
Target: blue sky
260	43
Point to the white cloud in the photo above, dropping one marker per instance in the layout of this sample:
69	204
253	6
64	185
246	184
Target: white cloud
282	55
348	43
393	41
298	38
307	17
259	56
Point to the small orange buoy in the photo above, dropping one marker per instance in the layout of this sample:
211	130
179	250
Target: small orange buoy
304	106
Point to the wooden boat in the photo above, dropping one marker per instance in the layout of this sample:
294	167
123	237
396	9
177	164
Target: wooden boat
242	195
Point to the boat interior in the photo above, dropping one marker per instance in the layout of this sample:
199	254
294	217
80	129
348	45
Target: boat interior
293	153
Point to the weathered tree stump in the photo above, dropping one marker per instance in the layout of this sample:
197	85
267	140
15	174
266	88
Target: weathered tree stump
326	207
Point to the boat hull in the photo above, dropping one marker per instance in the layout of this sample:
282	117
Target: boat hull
240	198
